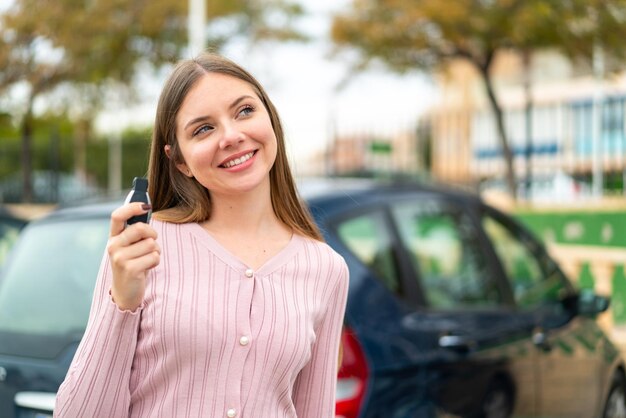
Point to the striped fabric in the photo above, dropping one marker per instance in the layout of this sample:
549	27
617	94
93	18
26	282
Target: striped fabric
214	338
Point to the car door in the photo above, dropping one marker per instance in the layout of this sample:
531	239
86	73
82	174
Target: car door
380	314
479	351
568	362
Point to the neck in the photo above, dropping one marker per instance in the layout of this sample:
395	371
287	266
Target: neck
245	214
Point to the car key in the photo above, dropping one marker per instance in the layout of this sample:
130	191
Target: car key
139	193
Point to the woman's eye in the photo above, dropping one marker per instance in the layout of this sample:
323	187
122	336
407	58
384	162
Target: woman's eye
246	110
202	129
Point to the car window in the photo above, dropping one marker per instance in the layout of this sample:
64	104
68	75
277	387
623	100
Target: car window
369	239
48	281
443	244
533	277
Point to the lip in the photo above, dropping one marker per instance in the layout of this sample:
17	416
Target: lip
238	155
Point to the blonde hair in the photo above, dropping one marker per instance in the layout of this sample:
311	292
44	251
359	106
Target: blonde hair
180	199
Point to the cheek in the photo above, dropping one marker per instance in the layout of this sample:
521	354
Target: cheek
199	154
266	134
271	146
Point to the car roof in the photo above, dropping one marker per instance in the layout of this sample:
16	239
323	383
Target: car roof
316	191
90	210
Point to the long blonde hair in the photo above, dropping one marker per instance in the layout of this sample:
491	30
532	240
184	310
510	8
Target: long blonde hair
180	199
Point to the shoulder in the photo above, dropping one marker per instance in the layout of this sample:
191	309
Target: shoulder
320	247
323	255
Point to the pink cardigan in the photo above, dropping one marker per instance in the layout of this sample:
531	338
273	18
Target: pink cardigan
214	338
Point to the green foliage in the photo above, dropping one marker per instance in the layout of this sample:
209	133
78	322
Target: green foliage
52	145
7	128
618	295
584	24
585	278
135	151
53	149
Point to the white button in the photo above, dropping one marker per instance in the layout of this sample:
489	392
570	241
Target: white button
244	340
231	413
249	273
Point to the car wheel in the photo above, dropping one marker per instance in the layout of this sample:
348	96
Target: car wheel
615	406
497	403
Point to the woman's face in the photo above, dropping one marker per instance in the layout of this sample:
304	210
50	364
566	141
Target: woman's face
225	135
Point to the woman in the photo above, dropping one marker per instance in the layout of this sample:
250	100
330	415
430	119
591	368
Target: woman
228	304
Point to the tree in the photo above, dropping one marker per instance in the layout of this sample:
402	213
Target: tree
85	48
430	34
586	25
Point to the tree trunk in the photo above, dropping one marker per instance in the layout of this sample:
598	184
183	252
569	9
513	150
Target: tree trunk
27	154
504	143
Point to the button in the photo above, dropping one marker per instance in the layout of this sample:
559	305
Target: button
231	413
244	340
249	273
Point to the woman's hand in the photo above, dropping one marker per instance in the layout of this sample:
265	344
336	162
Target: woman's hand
133	251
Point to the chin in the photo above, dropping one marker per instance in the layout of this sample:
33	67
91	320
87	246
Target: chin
245	185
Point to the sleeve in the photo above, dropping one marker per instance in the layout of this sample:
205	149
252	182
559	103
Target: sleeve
98	381
314	389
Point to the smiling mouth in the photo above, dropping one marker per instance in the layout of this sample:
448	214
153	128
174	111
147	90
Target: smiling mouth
239	160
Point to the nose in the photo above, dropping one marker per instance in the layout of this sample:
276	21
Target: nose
231	135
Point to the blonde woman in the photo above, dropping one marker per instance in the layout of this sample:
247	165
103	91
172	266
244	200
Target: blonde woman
228	304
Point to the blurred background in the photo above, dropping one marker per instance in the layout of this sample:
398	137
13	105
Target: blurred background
520	101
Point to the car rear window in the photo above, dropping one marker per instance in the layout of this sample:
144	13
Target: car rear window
48	283
369	239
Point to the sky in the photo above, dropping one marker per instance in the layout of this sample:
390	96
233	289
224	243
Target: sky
301	80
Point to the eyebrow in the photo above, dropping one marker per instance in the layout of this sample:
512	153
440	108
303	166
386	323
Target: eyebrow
203	118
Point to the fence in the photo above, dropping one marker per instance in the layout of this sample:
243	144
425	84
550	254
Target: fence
590	245
64	172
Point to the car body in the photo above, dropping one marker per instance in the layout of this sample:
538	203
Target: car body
454	310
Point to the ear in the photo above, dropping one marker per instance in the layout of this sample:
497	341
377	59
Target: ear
168	151
182	167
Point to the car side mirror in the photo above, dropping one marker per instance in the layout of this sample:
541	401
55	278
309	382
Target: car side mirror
590	304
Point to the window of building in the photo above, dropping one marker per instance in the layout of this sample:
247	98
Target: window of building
613	126
582	128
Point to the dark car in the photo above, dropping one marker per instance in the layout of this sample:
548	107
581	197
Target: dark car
454	310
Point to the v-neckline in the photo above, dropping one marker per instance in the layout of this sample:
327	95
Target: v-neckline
284	255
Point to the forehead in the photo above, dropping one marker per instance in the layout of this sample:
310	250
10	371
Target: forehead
215	89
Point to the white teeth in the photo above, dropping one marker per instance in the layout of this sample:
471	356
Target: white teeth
239	160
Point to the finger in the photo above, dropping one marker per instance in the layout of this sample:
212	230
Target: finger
149	261
139	231
140	265
131	235
124	213
138	249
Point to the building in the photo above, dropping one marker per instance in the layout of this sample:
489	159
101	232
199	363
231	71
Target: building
562	120
371	153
